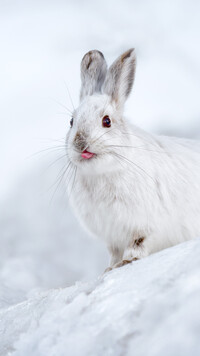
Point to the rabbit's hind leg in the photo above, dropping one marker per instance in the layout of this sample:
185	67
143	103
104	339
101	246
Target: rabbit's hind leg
136	249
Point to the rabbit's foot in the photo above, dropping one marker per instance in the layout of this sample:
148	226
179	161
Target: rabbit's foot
121	264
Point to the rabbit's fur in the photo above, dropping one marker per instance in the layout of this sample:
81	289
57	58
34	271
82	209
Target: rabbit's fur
140	192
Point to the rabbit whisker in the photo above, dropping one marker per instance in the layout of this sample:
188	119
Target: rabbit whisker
63	106
70	178
73	182
62	171
46	150
137	147
69	94
64	113
132	134
59	180
134	164
93	141
58	159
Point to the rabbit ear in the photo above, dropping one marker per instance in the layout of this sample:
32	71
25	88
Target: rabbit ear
120	77
93	73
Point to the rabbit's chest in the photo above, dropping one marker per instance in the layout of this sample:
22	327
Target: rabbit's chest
103	208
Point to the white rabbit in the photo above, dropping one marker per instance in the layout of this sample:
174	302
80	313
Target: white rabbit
138	192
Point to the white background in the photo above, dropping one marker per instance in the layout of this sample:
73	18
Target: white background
41	46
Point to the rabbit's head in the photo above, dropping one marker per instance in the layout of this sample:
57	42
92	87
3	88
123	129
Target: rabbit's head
97	124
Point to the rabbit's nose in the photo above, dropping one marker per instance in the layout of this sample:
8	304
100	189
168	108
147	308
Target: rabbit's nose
80	141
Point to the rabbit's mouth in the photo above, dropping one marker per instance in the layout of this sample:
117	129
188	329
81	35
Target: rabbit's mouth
87	155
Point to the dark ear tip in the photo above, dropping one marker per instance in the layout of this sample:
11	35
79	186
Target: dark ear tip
127	54
91	56
100	53
94	52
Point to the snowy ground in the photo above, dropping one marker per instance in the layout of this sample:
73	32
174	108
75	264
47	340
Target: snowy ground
151	307
41	245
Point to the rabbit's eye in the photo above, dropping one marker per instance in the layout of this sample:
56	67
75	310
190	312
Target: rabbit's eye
71	122
106	122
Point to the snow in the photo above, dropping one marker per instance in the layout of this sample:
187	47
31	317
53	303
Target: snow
152	306
149	307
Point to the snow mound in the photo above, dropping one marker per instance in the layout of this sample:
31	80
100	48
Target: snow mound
151	307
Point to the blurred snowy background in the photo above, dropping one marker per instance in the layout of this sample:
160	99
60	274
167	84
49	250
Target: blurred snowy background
42	43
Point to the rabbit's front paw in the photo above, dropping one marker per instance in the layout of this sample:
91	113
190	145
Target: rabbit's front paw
120	264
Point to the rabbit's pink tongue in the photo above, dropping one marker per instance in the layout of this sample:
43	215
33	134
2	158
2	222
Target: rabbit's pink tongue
87	155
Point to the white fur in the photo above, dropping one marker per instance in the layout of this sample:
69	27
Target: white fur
154	192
